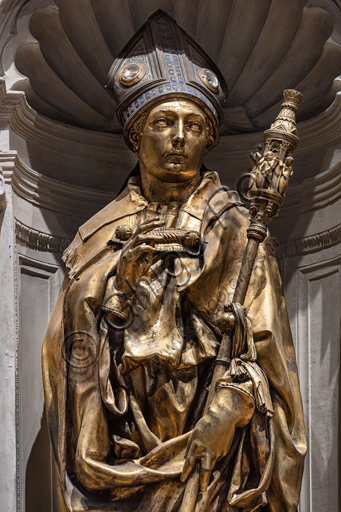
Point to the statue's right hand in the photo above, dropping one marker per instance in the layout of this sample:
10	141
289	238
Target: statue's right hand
136	256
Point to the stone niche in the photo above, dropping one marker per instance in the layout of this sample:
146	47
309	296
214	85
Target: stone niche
62	158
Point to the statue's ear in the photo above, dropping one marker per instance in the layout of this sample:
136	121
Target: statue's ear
212	135
135	132
134	138
209	143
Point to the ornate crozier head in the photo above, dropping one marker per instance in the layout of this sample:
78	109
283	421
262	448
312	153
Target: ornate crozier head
162	64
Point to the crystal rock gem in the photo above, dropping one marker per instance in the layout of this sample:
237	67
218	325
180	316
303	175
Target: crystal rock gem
130	71
211	78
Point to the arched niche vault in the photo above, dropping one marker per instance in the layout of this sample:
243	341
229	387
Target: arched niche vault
56	57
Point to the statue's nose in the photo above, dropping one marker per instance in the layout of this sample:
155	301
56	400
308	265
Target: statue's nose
179	136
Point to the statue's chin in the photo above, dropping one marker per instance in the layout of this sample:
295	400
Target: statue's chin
175	167
170	172
175	177
176	172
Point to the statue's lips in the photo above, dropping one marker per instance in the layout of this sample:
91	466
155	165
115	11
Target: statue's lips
175	157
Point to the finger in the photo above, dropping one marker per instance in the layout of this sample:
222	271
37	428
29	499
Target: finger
136	252
148	225
188	466
143	237
189	463
149	221
189	445
205	471
150	238
147	258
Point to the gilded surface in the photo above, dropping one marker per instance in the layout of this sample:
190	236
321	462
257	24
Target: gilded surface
130	349
169	369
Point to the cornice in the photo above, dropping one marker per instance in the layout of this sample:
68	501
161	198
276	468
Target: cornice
40	240
47	242
308	195
9	101
319	131
48	193
35	128
311	243
313	194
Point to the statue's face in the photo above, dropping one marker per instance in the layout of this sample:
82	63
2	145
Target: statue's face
173	141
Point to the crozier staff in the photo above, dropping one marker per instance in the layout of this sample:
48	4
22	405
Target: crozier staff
130	349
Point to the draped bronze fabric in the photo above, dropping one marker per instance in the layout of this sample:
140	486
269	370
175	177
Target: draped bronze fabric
121	403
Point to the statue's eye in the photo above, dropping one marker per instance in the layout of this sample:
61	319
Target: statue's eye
162	122
193	125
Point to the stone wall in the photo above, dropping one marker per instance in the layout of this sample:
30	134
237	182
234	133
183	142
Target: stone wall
55	174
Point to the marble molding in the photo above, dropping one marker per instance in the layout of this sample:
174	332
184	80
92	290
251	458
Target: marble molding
47	242
39	240
101	161
311	243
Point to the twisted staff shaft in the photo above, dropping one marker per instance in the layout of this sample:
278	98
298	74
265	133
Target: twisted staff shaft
222	362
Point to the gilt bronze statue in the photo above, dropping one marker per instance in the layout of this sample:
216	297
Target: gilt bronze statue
169	369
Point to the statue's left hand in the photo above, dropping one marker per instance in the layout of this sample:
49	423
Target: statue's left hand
212	436
208	443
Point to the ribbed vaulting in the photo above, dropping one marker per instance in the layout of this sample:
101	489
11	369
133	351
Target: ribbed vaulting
261	46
